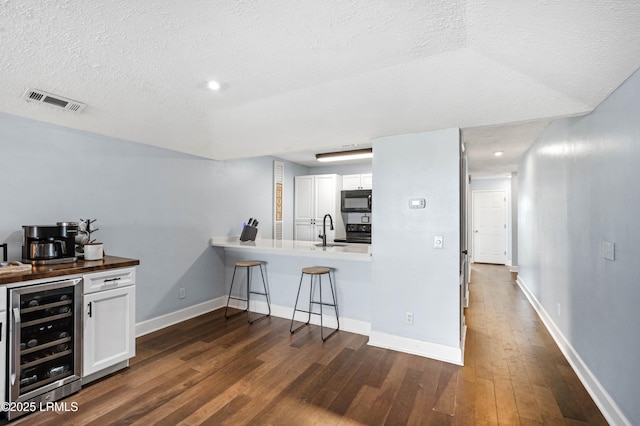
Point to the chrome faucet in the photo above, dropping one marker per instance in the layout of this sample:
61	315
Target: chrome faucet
324	229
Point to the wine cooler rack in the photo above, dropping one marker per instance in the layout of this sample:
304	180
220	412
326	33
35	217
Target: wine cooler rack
46	353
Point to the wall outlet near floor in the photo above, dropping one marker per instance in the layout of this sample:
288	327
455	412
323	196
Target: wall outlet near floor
558	308
408	318
183	293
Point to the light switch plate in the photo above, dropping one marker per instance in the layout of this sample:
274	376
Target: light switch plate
608	250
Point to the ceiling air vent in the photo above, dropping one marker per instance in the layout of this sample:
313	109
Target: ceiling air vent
35	95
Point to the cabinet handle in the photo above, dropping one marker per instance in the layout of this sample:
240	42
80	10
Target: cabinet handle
111	281
16	350
89	306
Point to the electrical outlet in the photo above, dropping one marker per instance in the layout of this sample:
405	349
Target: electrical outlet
608	250
408	318
438	241
183	293
558	308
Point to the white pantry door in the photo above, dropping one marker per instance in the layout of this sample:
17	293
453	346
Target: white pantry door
490	227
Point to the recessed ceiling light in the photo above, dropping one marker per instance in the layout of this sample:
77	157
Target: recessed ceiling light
498	153
214	85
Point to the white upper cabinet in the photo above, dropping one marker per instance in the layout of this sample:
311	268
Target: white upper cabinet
361	181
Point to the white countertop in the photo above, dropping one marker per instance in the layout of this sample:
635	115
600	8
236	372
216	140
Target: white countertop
359	252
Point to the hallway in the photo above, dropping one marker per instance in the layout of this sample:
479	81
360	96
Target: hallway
514	372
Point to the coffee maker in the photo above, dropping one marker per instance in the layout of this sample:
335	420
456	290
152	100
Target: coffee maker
46	245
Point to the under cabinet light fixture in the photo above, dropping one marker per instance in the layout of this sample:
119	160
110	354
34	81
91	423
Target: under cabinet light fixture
345	155
498	153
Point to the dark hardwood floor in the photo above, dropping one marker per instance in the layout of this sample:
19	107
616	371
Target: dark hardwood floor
213	371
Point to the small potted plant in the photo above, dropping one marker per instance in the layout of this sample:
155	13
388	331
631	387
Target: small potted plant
92	249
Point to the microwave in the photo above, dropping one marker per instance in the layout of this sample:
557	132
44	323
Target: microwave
356	201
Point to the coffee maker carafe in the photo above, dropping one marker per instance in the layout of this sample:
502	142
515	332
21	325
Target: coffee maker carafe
46	245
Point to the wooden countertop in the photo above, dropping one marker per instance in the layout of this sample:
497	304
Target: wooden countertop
79	267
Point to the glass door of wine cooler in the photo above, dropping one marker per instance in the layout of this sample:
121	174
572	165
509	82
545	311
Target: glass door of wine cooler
45	347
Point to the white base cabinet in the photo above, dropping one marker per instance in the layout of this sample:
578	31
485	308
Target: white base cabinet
109	319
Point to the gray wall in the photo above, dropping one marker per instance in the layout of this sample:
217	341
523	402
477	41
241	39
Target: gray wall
578	186
152	204
409	275
342	169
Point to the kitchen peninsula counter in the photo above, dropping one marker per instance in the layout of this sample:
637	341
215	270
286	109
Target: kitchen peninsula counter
354	252
62	269
283	262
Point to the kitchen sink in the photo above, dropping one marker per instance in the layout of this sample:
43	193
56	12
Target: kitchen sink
332	245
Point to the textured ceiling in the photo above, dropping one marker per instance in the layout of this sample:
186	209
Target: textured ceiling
311	76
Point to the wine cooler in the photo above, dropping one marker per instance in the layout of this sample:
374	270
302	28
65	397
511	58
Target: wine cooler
44	343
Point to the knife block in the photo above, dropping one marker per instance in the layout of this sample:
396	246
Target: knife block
248	233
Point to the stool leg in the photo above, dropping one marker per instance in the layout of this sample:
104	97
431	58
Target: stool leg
295	308
335	303
335	307
248	291
229	297
266	293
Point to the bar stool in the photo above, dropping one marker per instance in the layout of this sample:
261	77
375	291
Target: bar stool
248	264
316	271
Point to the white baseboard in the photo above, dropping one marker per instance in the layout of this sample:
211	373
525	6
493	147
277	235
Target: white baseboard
601	397
346	324
513	268
417	347
154	324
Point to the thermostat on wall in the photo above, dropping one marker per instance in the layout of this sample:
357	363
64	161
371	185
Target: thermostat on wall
417	203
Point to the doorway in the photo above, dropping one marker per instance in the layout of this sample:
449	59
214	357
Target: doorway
489	227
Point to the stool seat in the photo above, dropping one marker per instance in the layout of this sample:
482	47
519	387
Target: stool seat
248	263
315	270
316	300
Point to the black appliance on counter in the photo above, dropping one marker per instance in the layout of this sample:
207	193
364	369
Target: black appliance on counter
359	233
356	201
45	245
44	344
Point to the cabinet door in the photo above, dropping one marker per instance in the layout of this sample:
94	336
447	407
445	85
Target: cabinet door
350	182
109	328
325	196
304	231
366	181
304	198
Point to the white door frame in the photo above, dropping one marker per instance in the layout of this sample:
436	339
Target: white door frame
473	220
